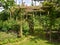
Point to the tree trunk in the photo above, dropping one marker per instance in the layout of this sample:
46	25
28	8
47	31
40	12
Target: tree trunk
35	3
22	1
20	30
32	2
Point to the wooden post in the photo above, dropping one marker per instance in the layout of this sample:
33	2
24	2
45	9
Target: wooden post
50	25
20	30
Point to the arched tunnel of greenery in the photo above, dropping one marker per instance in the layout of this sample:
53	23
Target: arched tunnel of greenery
43	22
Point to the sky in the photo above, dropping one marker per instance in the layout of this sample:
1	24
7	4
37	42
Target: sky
27	2
1	8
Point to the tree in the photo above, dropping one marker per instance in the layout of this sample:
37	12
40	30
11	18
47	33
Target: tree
15	12
7	4
18	14
49	7
35	2
32	3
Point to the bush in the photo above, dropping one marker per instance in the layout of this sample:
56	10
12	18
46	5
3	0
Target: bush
9	25
4	15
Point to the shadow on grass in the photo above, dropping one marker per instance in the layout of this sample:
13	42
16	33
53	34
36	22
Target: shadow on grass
37	39
39	35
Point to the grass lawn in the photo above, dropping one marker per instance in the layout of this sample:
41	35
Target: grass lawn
9	39
37	41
